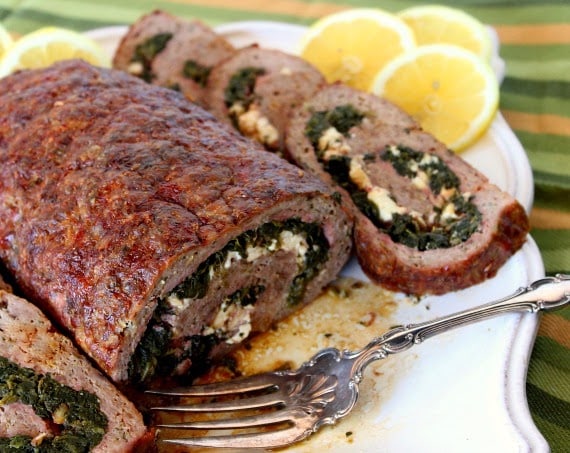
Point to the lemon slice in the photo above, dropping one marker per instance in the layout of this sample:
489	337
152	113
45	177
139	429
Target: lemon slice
48	45
435	24
5	40
352	45
451	91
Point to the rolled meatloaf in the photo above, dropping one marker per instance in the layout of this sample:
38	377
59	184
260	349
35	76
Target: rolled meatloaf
172	52
256	90
157	236
51	397
425	220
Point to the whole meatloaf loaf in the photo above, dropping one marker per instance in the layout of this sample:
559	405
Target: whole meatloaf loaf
157	236
51	397
172	52
425	220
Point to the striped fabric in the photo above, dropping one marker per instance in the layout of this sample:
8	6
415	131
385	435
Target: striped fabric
535	99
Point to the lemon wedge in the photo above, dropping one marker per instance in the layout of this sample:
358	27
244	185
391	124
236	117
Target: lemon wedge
5	40
451	91
47	45
352	46
435	24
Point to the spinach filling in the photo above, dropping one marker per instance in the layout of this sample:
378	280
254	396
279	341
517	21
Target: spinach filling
241	87
155	354
405	228
81	423
146	51
196	72
439	174
265	236
342	118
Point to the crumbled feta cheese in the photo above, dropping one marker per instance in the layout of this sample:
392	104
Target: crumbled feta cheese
333	143
358	176
254	253
242	333
447	193
273	246
232	318
429	159
387	207
232	257
252	124
176	302
60	414
266	132
37	441
394	150
236	109
421	180
294	242
135	68
247	121
448	214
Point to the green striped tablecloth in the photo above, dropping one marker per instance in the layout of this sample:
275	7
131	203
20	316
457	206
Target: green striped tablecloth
535	99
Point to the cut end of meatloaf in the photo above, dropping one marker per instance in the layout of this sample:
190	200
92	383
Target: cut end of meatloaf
259	274
124	190
30	346
425	220
399	268
171	52
256	89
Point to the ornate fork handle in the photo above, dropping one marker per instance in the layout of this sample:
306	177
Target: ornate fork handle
545	294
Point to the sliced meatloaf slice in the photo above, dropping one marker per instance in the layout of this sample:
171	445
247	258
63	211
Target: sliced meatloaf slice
256	89
51	396
159	237
425	220
172	52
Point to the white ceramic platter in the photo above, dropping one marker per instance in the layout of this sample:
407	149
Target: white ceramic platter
463	391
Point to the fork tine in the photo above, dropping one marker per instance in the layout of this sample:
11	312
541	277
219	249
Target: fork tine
255	402
269	439
269	418
246	384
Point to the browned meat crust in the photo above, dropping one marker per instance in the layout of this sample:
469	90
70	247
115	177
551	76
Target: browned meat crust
387	261
113	191
29	340
191	43
284	81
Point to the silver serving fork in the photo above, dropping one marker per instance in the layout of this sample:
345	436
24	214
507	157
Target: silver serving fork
289	406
